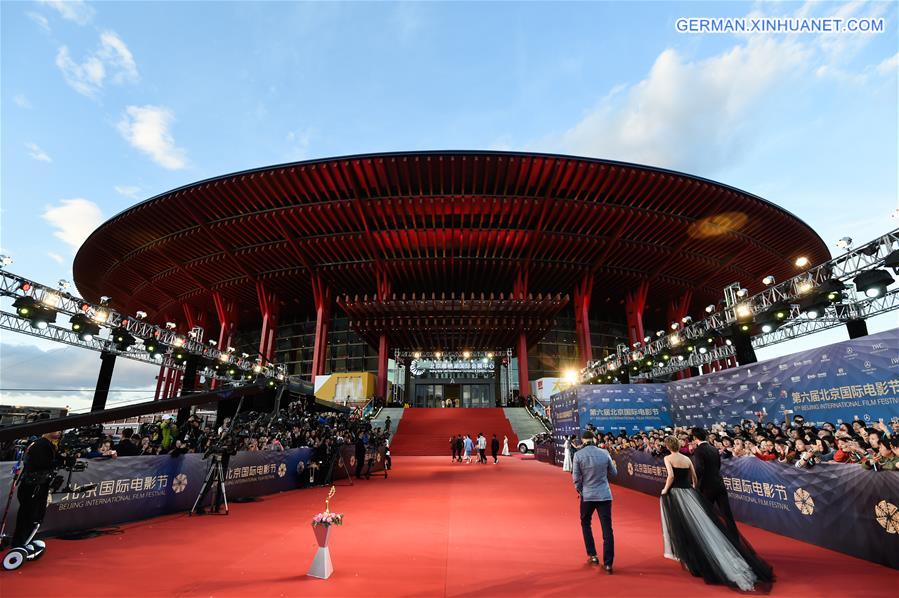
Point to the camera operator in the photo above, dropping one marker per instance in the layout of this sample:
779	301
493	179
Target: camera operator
41	459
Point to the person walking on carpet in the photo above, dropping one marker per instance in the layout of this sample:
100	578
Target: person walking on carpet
494	449
506	452
700	540
590	471
459	445
482	449
710	484
467	446
453	448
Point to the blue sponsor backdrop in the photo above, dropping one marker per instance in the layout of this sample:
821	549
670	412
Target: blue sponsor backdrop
840	382
565	420
838	506
132	488
630	407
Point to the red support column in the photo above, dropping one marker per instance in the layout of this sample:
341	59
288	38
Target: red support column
582	293
226	312
268	307
159	379
678	309
524	384
383	294
635	303
520	291
321	295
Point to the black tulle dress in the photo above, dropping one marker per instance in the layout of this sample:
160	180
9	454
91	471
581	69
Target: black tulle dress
694	535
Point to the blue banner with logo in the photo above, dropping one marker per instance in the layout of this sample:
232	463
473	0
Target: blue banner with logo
564	407
131	488
628	407
545	452
838	506
854	379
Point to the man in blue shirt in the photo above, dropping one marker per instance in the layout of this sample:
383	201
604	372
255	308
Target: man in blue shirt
590	471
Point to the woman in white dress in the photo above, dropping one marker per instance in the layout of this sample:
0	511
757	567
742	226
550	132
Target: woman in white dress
505	446
566	464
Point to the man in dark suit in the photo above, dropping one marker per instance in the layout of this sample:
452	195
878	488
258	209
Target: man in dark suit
707	463
494	449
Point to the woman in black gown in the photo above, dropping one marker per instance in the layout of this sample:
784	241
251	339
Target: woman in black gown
694	535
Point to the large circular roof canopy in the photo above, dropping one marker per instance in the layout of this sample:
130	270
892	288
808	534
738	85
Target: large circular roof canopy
442	222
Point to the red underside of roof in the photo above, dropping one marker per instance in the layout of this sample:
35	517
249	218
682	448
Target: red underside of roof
438	222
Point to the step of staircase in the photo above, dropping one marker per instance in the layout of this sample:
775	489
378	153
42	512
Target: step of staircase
523	424
394	413
424	431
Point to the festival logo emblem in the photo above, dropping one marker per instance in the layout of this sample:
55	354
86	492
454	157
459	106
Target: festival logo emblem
377	457
282	470
630	468
804	501
353	461
300	467
887	515
179	484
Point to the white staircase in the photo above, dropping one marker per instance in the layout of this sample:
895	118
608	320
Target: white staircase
523	423
394	413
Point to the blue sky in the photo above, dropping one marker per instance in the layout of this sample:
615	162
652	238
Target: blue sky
106	104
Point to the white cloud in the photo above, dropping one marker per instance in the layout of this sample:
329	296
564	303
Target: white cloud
147	129
700	115
889	66
112	58
299	142
76	11
37	153
73	219
55	257
686	115
40	19
128	191
21	101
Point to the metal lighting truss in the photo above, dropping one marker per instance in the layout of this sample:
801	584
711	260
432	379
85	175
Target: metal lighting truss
61	302
852	307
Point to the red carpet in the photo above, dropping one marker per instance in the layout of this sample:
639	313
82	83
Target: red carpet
432	529
424	432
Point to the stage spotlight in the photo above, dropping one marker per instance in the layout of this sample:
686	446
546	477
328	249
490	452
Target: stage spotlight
154	347
745	327
50	299
179	354
709	308
766	328
438	354
466	354
646	339
571	377
24	306
63	285
100	316
140	315
39	315
490	355
686	320
742	292
5	261
417	355
743	311
170	326
104	300
804	287
873	283
660	333
178	341
271	383
832	289
83	327
892	261
768	280
674	341
801	262
122	339
703	350
845	243
674	325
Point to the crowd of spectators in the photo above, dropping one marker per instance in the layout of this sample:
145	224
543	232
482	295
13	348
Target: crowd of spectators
293	427
796	443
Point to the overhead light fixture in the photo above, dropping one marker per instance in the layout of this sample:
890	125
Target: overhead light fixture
709	308
63	285
83	327
140	315
768	280
154	347
801	262
438	354
39	315
5	261
104	300
703	350
674	325
660	333
466	354
766	328
179	341
50	299
571	376
742	292
170	326
674	340
122	339
490	355
743	311
892	261
686	320
804	287
100	316
417	355
646	339
844	243
24	306
873	283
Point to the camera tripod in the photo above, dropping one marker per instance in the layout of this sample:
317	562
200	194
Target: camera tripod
215	477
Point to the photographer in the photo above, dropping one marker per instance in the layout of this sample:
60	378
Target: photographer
41	458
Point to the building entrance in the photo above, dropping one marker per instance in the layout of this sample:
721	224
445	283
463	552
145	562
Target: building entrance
462	394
